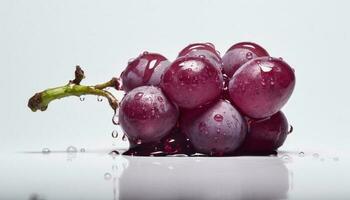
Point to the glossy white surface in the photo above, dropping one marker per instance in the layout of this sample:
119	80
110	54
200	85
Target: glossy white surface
97	175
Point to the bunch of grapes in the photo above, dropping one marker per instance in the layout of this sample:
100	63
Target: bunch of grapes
204	103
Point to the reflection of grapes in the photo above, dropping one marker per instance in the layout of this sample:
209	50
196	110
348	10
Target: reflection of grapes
146	114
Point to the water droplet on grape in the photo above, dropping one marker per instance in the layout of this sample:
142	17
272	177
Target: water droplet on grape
124	138
280	58
265	68
82	150
301	154
249	55
218	118
270	58
138	95
107	176
71	149
99	99
290	129
114	134
46	150
81	98
263	83
145	53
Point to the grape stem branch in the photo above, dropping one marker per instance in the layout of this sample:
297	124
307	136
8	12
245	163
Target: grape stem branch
41	100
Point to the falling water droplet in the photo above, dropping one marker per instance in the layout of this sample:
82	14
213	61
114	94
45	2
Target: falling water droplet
301	154
218	117
99	98
107	176
115	118
138	95
71	149
114	134
249	55
82	150
81	98
46	150
290	129
124	138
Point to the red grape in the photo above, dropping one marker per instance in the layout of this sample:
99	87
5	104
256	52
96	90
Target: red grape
146	69
239	54
191	82
265	135
216	130
146	114
206	50
262	86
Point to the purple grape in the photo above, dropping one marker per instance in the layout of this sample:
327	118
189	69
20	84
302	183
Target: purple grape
239	54
216	130
265	135
191	82
206	50
146	115
146	69
262	86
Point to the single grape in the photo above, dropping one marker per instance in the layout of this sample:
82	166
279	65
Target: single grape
206	50
146	69
191	82
239	54
174	143
215	130
146	115
265	135
262	86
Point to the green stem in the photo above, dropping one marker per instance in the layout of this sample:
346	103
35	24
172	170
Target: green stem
41	100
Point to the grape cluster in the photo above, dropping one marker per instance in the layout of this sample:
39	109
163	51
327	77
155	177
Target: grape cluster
204	103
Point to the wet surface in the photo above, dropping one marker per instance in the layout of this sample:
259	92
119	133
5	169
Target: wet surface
100	175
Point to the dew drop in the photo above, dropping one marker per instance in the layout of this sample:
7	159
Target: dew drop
81	98
290	129
45	150
99	99
218	118
107	176
301	154
82	150
114	134
138	95
124	138
249	55
71	149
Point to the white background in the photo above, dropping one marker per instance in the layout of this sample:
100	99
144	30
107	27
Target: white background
42	41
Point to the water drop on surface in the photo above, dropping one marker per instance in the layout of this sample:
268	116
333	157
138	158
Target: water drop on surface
290	129
82	150
46	150
107	176
218	117
138	95
71	149
114	134
249	55
301	154
99	99
124	138
81	98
